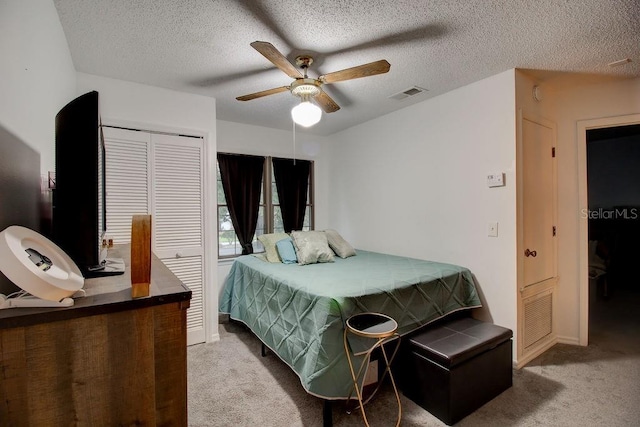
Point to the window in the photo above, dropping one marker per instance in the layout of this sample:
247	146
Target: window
269	216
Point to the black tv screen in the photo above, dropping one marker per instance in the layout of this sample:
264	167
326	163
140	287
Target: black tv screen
79	210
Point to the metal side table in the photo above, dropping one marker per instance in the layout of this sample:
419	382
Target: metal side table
370	331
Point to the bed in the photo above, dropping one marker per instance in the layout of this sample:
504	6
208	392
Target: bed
299	311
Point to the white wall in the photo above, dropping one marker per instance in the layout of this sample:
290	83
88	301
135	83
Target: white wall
575	99
246	139
153	108
122	101
413	183
38	77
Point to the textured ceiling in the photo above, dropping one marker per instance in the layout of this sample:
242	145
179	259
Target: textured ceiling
202	46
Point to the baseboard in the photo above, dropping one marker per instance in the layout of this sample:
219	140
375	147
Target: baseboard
568	340
535	352
214	338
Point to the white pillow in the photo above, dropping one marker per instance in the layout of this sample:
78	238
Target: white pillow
341	247
311	247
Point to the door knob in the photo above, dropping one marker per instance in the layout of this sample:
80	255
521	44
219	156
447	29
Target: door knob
530	253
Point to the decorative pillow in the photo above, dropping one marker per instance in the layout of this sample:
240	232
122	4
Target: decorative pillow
341	247
269	243
286	251
311	247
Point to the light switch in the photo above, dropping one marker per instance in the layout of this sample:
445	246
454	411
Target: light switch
492	229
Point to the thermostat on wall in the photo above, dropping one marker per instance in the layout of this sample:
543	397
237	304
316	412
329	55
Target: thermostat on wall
495	179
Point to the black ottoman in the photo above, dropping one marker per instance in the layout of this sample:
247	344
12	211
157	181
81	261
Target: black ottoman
456	366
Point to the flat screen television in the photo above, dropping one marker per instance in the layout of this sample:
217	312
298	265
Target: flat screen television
79	219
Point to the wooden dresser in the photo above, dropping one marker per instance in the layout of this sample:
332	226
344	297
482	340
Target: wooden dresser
109	360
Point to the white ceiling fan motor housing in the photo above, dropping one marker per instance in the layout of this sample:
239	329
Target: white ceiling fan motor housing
305	88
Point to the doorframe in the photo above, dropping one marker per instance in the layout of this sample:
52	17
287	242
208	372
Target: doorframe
583	201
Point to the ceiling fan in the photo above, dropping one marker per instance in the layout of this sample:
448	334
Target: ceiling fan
308	88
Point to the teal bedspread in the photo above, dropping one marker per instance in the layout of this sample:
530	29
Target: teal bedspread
299	312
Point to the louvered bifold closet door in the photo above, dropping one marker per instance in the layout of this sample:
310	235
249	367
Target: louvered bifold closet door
127	180
177	209
161	175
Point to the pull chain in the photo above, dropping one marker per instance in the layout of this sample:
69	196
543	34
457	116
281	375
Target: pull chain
294	142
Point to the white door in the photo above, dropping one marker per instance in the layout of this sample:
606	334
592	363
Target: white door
161	175
538	203
127	180
178	227
537	257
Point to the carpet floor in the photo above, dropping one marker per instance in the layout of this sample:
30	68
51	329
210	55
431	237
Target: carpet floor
230	384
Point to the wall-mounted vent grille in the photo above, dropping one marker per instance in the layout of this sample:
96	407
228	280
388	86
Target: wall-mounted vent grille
412	91
537	318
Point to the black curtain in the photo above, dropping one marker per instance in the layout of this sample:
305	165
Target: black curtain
292	182
242	183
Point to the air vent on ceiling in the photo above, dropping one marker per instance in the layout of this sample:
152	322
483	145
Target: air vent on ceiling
412	91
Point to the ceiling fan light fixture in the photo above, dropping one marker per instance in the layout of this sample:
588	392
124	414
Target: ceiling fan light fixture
306	114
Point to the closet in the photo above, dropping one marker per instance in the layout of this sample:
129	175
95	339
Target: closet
163	175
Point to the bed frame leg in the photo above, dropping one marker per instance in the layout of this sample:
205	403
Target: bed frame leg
327	414
263	350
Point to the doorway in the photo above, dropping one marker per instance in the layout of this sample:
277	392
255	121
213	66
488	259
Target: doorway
609	153
613	183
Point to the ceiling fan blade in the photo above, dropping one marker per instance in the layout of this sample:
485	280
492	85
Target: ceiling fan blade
325	102
263	93
365	70
278	59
